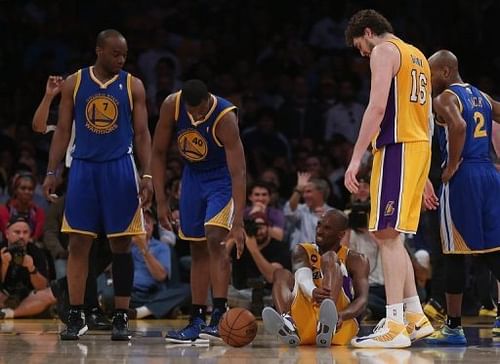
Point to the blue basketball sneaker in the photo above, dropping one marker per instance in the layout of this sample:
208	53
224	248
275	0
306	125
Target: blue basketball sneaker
447	336
211	331
496	328
188	335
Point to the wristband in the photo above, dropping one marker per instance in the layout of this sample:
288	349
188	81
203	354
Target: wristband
50	173
303	276
147	176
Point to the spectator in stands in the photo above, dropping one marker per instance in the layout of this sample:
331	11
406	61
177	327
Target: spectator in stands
361	240
263	143
344	117
303	217
299	116
23	273
260	197
21	203
252	274
151	293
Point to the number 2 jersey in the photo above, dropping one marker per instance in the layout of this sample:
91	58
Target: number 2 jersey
470	202
476	111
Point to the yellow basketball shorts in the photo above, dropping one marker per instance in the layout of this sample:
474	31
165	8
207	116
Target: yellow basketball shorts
397	183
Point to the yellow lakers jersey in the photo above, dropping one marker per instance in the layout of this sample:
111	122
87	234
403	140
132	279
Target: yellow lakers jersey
408	110
305	313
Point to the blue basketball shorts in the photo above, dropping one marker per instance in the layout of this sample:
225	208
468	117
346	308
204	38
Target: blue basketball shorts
206	199
103	197
470	210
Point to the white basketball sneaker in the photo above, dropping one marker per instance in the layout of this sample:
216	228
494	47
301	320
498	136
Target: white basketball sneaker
387	334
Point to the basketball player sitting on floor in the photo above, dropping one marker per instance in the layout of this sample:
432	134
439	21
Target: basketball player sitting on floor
320	303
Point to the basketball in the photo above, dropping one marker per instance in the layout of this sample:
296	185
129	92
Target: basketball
238	327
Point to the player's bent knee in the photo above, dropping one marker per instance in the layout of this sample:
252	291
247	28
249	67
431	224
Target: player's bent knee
284	277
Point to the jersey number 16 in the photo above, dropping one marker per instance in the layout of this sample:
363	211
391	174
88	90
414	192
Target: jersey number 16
418	87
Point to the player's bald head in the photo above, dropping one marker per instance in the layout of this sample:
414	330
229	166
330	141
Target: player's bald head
444	58
444	70
104	35
336	218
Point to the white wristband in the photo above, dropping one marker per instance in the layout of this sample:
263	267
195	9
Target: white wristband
50	128
303	276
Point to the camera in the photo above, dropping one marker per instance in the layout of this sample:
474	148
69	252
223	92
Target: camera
359	215
250	227
17	250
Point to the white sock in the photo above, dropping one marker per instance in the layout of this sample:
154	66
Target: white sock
142	312
412	304
9	313
395	312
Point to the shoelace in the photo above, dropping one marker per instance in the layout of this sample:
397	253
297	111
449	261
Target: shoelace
289	322
214	320
120	321
75	318
189	325
379	326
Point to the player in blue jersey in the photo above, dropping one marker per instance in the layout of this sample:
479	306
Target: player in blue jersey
470	193
109	110
212	198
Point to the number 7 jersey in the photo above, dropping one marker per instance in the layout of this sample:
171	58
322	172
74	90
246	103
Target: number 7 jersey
476	111
408	110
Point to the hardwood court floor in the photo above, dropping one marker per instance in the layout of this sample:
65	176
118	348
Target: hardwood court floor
37	341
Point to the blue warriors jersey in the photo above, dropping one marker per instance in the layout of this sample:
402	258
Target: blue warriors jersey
470	202
197	141
477	112
103	116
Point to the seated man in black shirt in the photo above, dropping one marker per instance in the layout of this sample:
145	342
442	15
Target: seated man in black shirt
252	274
23	272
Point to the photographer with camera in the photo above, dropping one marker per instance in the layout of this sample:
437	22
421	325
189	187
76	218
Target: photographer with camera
23	270
252	274
361	240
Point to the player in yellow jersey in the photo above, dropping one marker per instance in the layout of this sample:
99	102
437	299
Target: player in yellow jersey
319	304
397	121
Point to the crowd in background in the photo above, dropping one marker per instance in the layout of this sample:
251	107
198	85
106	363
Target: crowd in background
300	91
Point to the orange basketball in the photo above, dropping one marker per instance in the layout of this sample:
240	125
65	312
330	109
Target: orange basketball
238	327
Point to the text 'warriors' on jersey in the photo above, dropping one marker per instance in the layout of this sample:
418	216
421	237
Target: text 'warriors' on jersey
407	114
197	140
103	116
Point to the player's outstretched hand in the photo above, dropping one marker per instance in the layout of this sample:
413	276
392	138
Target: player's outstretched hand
350	179
237	236
49	186
164	216
146	191
430	200
54	85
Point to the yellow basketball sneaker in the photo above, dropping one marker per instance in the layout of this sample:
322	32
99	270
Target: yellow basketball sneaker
487	312
434	311
417	325
387	334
